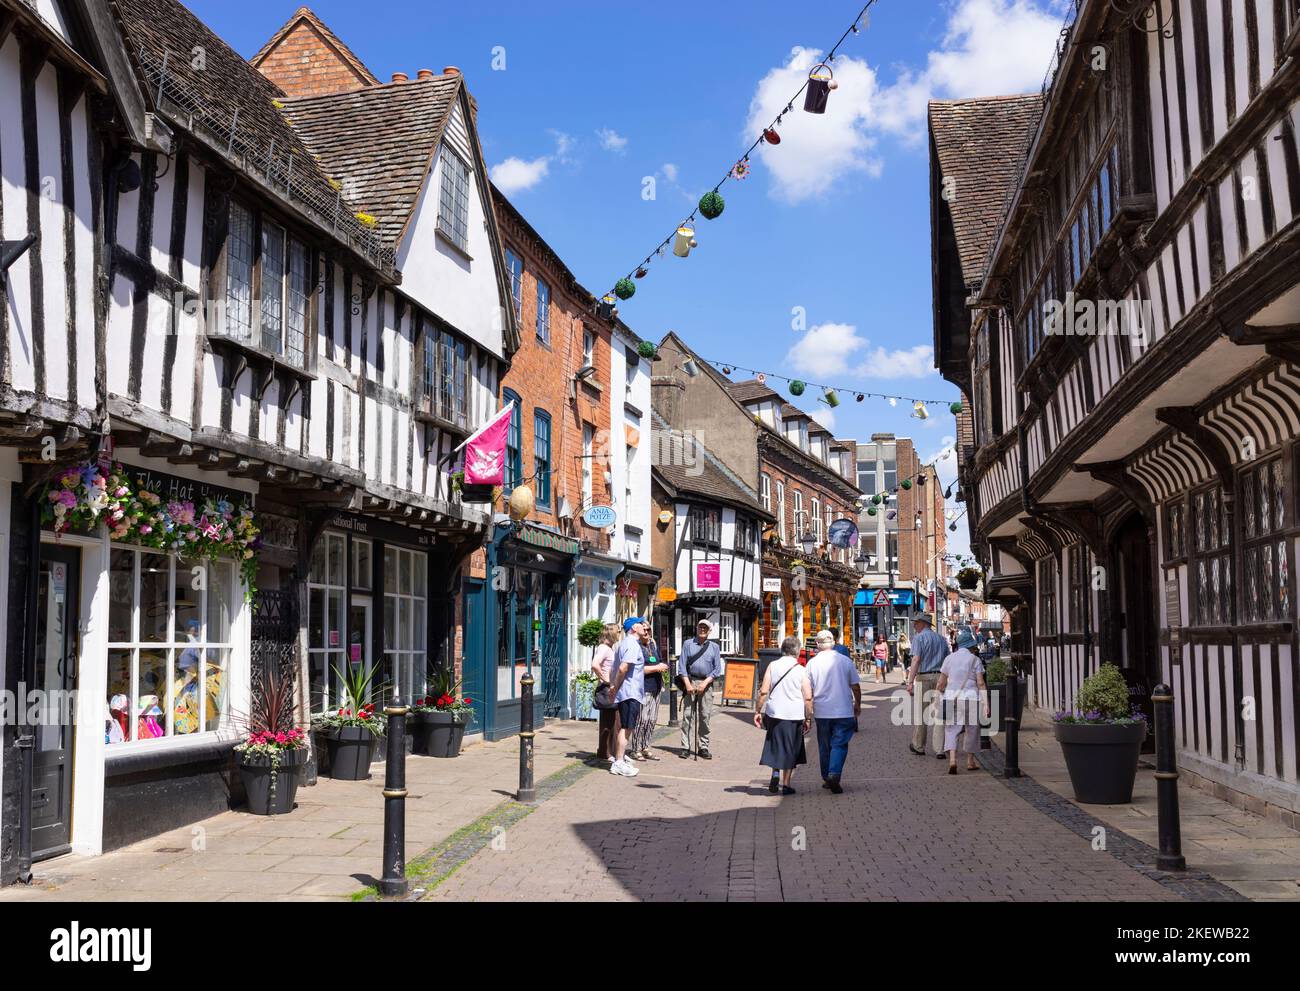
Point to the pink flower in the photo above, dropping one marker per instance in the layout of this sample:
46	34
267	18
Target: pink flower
146	528
120	491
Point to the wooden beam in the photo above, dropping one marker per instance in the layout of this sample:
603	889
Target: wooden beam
1115	474
1186	422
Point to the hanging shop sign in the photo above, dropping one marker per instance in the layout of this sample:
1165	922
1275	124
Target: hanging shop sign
171	488
550	541
667	595
708	576
599	517
842	533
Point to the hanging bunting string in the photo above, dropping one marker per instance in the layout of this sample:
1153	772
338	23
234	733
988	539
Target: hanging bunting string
712	203
800	385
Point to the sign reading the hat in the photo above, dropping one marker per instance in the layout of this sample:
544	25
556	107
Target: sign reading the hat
708	576
599	517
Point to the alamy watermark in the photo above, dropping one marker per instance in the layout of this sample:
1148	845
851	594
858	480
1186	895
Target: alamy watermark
1074	317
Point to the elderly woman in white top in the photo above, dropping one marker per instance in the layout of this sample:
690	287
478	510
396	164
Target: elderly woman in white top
961	682
784	709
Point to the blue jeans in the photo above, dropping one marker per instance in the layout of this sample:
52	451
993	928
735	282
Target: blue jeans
833	736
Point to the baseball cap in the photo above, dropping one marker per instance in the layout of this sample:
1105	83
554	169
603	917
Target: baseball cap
630	622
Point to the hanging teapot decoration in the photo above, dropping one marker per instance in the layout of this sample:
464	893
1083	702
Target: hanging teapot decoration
821	80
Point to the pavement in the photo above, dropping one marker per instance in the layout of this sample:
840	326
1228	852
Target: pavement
704	830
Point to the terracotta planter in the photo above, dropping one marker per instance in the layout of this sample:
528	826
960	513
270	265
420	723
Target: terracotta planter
437	734
1102	759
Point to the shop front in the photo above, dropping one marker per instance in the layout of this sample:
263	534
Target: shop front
890	611
516	623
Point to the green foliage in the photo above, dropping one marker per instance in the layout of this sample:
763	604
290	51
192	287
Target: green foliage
625	289
996	671
1105	692
589	633
712	204
797	387
647	350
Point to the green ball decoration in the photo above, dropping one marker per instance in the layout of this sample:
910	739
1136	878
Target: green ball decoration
712	204
877	499
955	408
907	483
797	387
871	512
647	350
625	289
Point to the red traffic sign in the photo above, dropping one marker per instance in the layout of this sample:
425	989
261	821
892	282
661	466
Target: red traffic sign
882	598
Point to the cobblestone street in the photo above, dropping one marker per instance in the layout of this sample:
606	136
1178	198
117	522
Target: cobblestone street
709	830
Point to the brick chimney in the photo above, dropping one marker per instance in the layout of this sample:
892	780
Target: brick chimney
401	77
425	74
306	58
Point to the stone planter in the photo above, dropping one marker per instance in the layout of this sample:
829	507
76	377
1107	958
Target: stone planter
351	749
437	734
1102	760
258	776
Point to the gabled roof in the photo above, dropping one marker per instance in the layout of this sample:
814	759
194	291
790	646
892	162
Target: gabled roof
751	391
379	142
980	145
709	478
304	15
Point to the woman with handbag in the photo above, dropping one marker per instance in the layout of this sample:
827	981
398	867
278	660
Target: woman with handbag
961	682
600	666
784	708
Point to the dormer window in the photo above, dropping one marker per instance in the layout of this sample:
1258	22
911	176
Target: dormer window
453	203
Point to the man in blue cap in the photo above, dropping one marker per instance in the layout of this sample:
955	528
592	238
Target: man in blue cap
627	686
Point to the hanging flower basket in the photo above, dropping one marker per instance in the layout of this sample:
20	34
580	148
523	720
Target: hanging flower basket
624	289
83	497
712	204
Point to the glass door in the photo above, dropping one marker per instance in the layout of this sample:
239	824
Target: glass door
57	650
359	640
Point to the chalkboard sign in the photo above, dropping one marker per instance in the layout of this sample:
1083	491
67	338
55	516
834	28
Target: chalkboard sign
171	488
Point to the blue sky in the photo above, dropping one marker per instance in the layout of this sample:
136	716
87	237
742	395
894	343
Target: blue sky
593	98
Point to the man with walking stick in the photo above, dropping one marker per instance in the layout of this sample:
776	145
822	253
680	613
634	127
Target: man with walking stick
699	664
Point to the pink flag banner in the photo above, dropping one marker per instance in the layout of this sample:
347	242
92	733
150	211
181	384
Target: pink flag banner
485	451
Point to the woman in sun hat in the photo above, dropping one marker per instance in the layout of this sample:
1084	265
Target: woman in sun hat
961	684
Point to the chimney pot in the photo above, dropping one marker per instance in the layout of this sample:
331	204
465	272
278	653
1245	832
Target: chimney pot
425	74
400	77
450	70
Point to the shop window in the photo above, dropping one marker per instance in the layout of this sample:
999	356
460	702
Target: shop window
362	571
326	596
453	201
169	643
1266	555
1049	577
405	612
1210	559
542	457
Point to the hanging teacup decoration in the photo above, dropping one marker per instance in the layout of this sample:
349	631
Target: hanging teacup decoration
821	80
771	136
641	272
684	242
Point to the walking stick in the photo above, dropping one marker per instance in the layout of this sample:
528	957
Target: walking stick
698	700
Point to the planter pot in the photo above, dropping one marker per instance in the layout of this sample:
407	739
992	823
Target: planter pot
1102	760
257	775
582	696
350	751
437	734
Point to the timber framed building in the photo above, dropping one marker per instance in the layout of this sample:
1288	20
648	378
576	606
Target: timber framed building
1122	307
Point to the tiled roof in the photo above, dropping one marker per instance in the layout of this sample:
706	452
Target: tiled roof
333	40
750	390
379	142
708	478
226	100
981	146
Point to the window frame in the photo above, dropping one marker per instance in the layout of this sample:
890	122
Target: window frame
1049	584
1075	587
454	197
542	321
1219	613
514	440
446	397
542	464
1278	536
706	527
515	269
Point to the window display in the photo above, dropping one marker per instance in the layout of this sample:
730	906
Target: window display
170	623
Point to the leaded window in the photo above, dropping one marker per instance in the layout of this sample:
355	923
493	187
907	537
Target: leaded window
1175	530
1210	559
1049	577
706	527
1076	585
453	204
1265	507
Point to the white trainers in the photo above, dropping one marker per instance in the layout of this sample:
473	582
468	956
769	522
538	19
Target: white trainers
630	770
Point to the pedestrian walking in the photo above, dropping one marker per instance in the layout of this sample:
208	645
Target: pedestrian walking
961	682
880	652
928	651
627	688
644	733
600	662
784	708
837	702
697	667
904	650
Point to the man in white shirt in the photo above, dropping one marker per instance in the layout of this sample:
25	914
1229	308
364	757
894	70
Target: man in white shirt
837	702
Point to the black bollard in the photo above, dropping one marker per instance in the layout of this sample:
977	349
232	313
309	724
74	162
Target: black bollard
672	705
394	880
527	793
1170	857
1011	767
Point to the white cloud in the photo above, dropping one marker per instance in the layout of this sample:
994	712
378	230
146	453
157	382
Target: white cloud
670	171
563	146
989	48
515	175
611	140
815	149
837	348
824	415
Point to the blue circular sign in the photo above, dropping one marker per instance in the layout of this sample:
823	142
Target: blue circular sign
599	517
